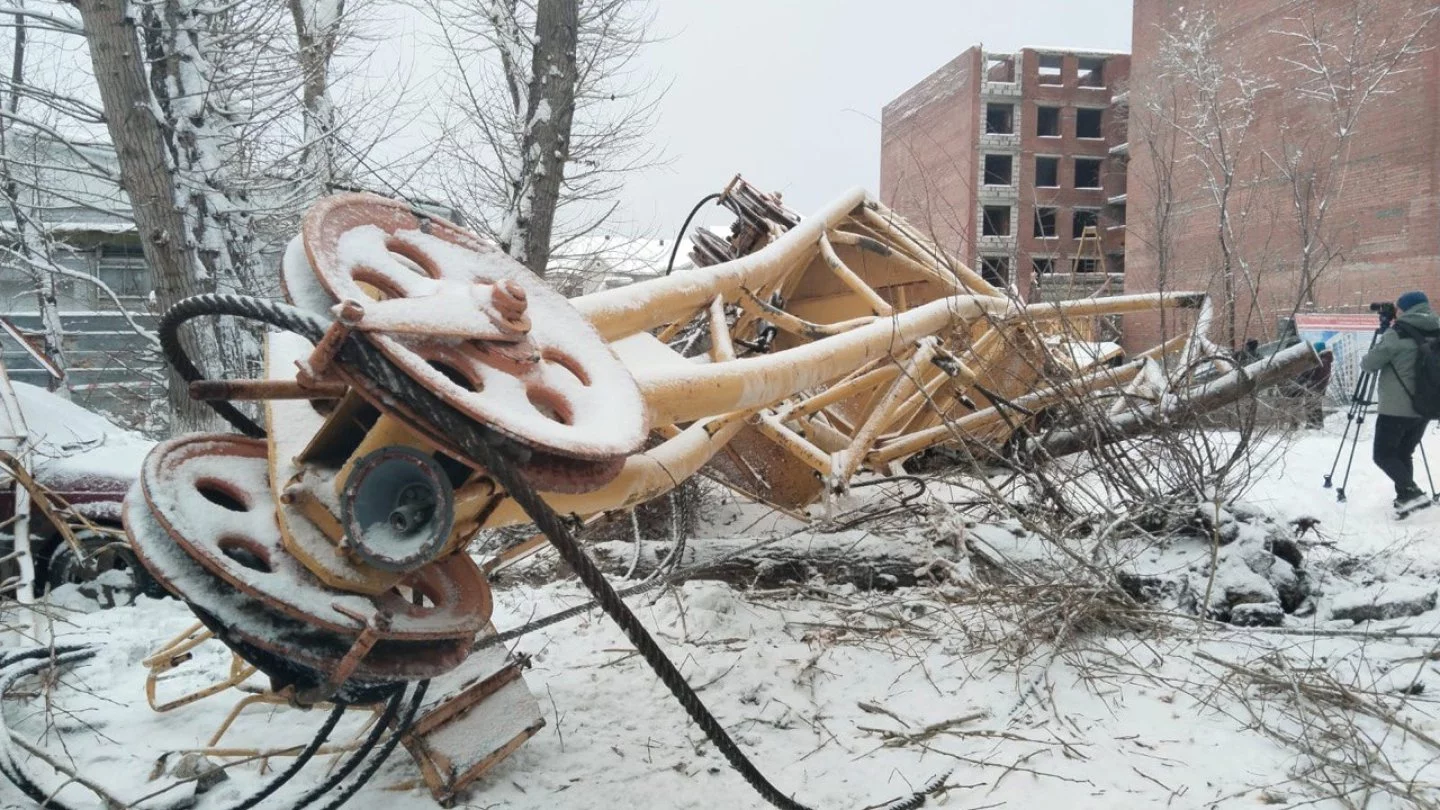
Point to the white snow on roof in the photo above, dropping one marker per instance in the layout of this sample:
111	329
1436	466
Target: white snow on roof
116	226
1074	50
72	441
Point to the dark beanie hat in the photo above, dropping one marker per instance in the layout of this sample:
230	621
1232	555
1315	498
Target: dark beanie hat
1412	298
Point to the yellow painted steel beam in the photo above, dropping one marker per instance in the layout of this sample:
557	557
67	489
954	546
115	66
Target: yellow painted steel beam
913	443
649	304
878	305
686	394
646	475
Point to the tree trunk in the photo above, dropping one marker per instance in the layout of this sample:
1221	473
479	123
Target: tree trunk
147	176
184	40
52	329
834	559
317	25
28	242
546	146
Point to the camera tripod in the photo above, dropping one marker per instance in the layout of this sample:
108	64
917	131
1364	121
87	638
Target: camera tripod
1361	400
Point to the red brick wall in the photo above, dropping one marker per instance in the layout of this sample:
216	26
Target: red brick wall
1068	97
1385	220
928	166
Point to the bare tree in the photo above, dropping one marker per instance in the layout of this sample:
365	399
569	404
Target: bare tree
50	165
148	176
317	30
1210	105
1263	157
27	243
1342	61
225	127
546	117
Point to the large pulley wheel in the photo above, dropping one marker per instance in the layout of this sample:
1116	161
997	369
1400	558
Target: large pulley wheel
477	329
203	523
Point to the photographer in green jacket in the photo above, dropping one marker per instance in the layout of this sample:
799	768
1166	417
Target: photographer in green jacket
1399	428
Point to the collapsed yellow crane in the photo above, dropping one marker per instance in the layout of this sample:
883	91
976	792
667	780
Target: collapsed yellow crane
423	387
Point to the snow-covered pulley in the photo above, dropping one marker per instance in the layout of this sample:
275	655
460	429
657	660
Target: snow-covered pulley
476	328
203	523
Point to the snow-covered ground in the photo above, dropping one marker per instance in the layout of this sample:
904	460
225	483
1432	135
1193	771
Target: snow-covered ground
850	699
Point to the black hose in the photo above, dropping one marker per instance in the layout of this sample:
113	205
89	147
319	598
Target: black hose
680	237
40	657
359	755
300	760
385	750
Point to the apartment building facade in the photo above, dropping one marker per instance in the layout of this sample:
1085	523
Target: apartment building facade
1006	159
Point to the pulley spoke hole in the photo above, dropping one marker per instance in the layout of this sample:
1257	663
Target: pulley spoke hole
412	258
376	285
550	405
247	553
455	375
221	495
568	363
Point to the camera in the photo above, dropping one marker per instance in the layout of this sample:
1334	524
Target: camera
1386	311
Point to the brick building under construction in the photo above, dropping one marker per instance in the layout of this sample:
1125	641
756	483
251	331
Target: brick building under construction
1323	136
1373	219
1007	158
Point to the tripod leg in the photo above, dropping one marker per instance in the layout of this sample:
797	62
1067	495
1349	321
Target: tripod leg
1434	496
1359	401
1339	451
1367	387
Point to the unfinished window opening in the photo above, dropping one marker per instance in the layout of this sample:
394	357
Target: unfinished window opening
1042	265
1000	119
1045	223
997	221
1000	68
995	269
1116	262
1047	172
1047	122
1081	219
1087	266
999	170
1092	71
1052	68
1115	215
1087	173
1088	123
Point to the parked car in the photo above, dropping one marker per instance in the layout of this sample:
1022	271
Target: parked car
91	464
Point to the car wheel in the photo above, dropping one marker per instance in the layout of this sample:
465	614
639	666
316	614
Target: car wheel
101	555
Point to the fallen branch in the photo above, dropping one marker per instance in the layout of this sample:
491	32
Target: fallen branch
797	560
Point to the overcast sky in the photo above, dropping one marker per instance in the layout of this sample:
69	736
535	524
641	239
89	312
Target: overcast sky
789	92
